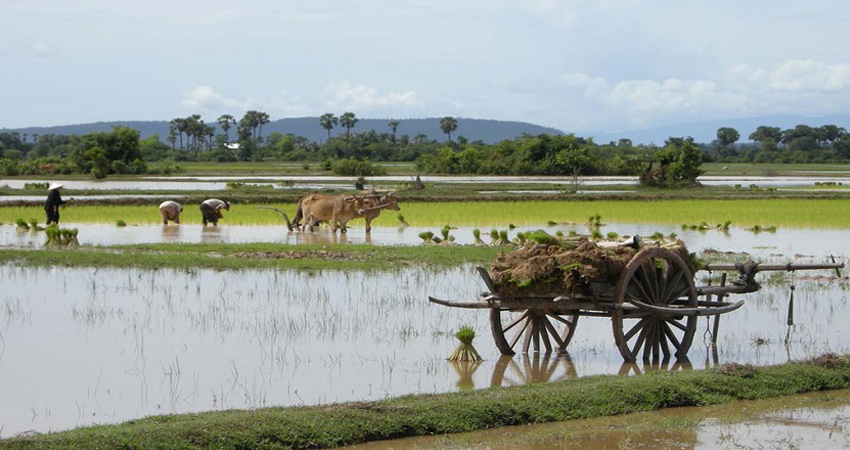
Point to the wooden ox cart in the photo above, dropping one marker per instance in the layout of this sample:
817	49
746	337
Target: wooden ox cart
653	307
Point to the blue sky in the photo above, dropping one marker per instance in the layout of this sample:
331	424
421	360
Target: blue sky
579	65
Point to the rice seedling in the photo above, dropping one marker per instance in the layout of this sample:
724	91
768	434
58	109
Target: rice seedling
447	238
401	222
61	236
22	225
612	235
427	237
465	351
476	233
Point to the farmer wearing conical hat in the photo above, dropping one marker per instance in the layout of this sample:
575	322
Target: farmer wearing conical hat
51	205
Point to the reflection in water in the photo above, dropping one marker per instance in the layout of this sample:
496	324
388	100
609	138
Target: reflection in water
681	364
465	370
534	368
211	235
171	233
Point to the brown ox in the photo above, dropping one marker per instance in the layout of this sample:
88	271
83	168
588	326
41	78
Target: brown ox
336	209
373	204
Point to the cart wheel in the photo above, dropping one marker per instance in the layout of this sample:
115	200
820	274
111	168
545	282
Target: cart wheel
531	326
659	277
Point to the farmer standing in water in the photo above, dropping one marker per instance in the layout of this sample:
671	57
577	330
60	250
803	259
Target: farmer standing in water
51	205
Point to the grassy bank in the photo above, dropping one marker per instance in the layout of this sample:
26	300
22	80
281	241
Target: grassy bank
252	256
822	213
342	424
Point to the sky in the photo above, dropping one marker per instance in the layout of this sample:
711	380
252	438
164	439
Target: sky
593	65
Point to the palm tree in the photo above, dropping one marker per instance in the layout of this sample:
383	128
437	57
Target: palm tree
448	124
224	122
347	120
327	121
394	125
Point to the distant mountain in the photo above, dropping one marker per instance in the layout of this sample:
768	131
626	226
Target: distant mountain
489	131
707	131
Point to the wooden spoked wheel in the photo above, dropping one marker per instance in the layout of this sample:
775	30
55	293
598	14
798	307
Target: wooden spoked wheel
656	277
534	329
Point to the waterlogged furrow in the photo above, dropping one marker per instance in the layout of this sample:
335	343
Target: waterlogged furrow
83	346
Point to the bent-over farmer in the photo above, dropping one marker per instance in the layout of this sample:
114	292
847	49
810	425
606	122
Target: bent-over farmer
211	210
51	205
170	210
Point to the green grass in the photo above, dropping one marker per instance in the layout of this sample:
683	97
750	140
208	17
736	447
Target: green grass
821	213
349	423
251	256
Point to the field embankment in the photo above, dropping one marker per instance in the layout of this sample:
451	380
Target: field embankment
342	424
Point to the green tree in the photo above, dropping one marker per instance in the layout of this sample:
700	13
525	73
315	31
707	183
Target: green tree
727	136
348	120
764	133
448	124
393	124
328	121
225	121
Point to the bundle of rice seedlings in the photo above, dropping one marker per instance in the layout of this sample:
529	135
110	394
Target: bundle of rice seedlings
53	238
519	239
22	225
503	237
465	351
120	223
477	234
447	238
494	237
401	221
427	237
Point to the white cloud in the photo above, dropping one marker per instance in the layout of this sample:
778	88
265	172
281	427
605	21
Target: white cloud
282	104
347	96
795	86
802	76
204	98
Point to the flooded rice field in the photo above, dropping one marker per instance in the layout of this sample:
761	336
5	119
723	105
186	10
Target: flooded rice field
81	346
786	241
208	183
816	420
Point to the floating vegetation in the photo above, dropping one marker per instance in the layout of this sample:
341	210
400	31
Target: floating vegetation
828	183
61	236
759	229
465	351
235	185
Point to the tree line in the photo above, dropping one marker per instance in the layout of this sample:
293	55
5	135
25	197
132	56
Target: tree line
350	152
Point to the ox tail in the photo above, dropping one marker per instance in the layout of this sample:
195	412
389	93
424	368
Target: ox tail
289	224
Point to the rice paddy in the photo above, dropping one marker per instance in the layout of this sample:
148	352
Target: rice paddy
800	213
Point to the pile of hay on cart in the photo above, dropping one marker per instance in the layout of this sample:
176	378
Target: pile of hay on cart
546	265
